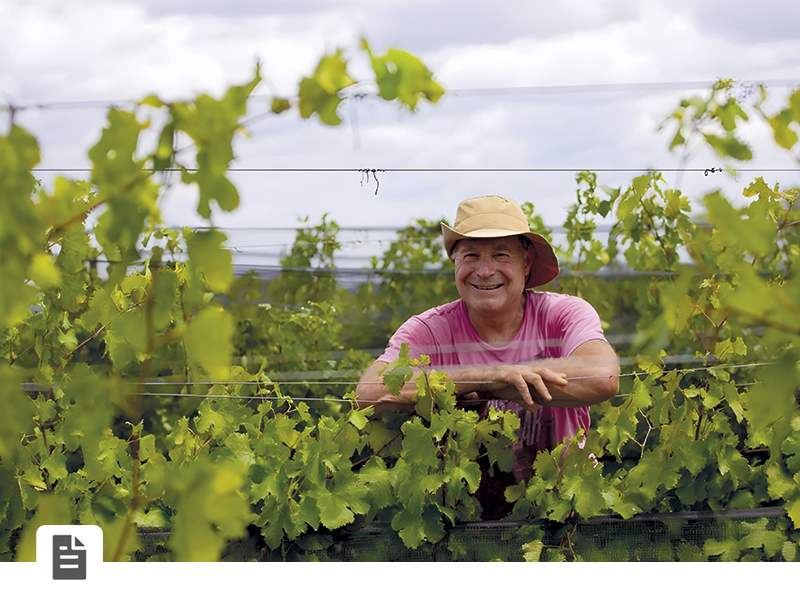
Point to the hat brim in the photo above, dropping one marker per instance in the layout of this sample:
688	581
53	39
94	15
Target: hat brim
544	267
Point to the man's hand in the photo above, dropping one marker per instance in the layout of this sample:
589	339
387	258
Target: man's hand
587	376
526	384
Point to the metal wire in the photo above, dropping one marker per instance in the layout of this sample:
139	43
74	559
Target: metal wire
224	397
445	170
637	87
347	382
354	382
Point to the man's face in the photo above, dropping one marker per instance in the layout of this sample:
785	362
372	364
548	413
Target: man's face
490	273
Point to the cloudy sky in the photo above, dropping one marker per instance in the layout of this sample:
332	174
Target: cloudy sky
553	86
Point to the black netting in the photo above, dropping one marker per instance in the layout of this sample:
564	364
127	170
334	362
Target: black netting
701	536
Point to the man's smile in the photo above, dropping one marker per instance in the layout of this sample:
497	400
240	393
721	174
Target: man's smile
487	287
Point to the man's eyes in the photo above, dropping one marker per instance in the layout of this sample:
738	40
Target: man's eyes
475	255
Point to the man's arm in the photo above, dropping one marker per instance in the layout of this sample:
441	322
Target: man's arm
592	373
588	376
495	381
372	392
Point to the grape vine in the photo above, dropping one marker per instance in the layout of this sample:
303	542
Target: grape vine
142	380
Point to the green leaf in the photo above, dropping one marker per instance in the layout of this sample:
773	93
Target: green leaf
208	509
780	485
18	412
220	418
781	124
693	454
418	444
729	147
398	372
759	536
55	465
773	398
402	76
727	550
89	415
213	186
729	113
320	94
101	310
209	258
166	301
113	456
52	510
11	507
113	156
208	342
396	378
410	528
789	551
677	140
583	483
113	532
755	234
152	100
165	151
793	510
334	512
469	472
532	551
358	418
377	481
765	303
126	337
22	230
617	503
280	105
212	124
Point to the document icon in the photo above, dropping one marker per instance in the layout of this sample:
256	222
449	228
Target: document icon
69	557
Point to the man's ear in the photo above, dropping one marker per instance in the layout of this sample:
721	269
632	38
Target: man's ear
452	254
530	258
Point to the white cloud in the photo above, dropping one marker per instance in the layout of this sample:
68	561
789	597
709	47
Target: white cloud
103	50
82	50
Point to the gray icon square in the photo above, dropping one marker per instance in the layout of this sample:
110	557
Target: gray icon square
69	557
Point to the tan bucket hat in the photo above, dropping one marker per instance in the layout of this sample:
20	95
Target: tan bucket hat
496	216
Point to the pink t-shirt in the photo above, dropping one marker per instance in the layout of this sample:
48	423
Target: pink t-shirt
553	327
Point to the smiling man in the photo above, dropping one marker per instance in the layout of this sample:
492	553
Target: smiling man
540	354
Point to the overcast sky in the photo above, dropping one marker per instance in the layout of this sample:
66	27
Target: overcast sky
597	79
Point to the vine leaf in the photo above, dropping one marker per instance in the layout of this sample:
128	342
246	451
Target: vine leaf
18	412
320	93
208	342
211	259
209	509
402	76
418	444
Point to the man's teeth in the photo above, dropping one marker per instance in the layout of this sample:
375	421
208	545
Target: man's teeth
490	287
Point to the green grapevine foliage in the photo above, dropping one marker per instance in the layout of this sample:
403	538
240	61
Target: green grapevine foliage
145	386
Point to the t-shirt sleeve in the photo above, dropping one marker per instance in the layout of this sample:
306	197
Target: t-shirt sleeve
416	334
577	322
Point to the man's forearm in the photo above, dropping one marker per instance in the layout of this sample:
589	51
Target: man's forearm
588	376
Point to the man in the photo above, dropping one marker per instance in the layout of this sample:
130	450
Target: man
542	355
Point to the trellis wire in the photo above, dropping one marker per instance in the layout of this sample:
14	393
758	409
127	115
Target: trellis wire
40	388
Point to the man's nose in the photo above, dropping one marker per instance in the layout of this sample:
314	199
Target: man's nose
486	267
